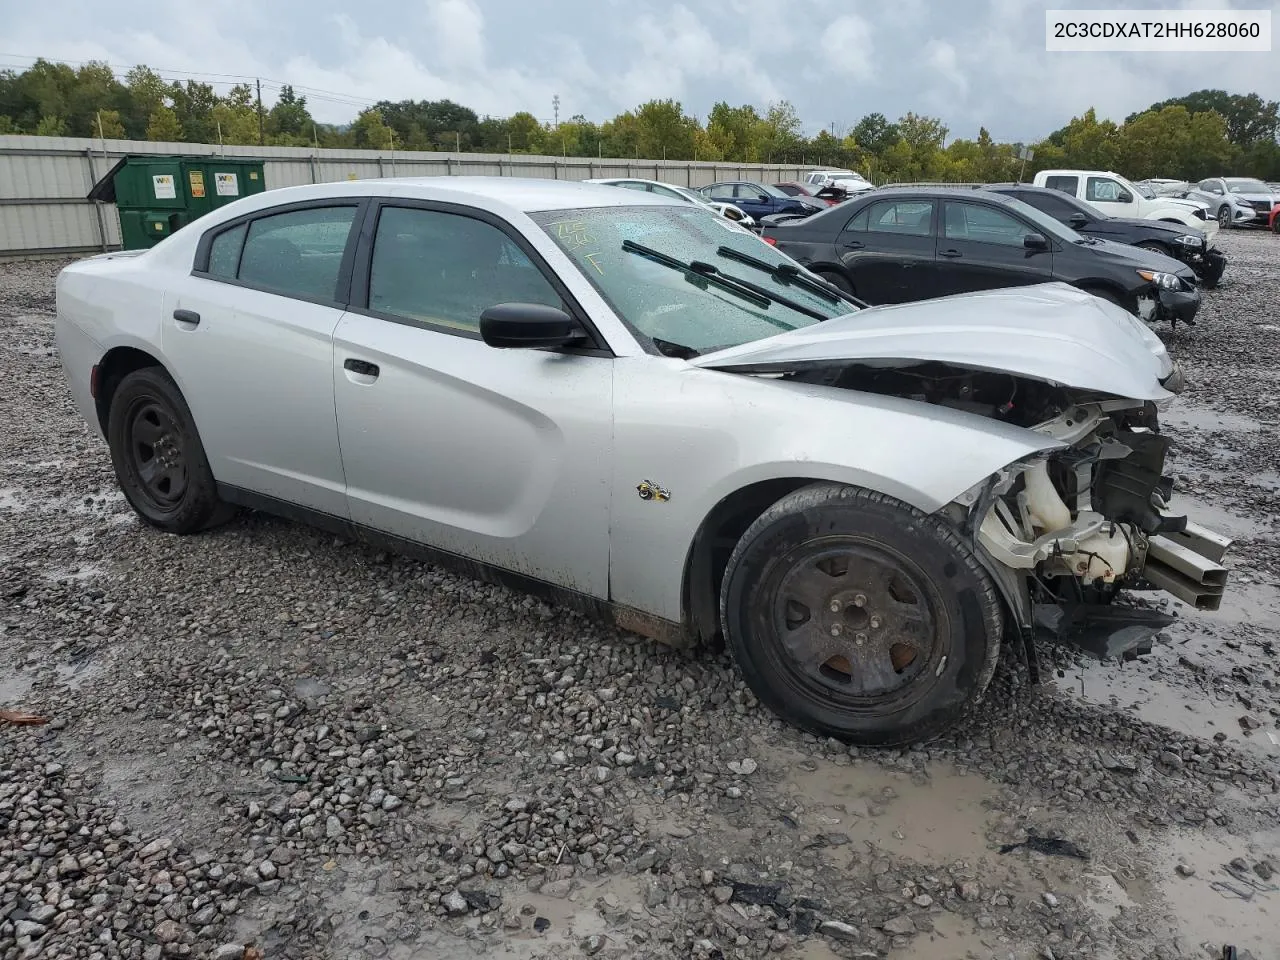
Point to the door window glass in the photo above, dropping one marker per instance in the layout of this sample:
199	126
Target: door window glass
981	224
444	269
298	252
1102	189
721	191
1065	184
1050	203
911	217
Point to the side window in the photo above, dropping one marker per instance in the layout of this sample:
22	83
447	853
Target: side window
224	252
1050	204
1065	184
445	269
1102	189
297	253
982	224
632	185
748	191
911	217
1211	186
859	222
664	192
721	191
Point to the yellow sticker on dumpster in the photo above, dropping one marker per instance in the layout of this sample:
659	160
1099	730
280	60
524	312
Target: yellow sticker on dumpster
197	183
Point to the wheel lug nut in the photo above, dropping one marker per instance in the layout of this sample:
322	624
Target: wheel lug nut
860	638
875	623
835	606
859	601
835	630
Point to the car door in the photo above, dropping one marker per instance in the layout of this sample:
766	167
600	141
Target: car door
982	247
249	337
749	198
1069	213
499	455
887	250
1110	196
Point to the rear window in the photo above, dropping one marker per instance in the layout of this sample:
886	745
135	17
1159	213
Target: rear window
1065	184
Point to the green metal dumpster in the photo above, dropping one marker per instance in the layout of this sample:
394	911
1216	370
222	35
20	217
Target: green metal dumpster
157	196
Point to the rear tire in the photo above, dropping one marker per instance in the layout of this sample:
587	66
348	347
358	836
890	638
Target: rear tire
853	615
158	458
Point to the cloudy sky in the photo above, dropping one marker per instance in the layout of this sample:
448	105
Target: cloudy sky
971	62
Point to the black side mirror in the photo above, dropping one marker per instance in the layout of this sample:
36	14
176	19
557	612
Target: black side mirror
1077	220
1035	241
529	325
1125	197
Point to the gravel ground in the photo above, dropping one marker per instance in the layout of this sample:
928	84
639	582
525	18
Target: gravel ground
266	738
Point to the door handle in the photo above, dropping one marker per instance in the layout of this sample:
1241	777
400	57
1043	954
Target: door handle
852	244
187	316
950	254
362	367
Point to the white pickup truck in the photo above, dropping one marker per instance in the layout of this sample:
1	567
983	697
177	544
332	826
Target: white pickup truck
1115	196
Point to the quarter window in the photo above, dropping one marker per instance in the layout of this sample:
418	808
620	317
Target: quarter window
444	269
298	253
224	252
912	217
970	221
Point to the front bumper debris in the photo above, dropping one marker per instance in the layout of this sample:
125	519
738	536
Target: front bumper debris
1103	630
1180	305
1208	265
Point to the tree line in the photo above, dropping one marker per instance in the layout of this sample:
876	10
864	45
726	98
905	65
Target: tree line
1206	133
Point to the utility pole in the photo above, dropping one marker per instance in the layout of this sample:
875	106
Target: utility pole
261	135
555	105
457	141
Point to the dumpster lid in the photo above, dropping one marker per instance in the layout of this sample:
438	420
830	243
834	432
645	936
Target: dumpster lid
105	189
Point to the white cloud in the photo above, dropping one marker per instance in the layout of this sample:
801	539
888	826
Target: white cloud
847	45
457	33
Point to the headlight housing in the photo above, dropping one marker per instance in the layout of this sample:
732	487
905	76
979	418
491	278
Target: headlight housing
1190	240
1165	281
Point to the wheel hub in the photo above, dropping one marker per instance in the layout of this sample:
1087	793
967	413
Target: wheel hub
855	619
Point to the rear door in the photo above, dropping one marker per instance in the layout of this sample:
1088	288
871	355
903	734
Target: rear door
887	249
249	334
981	247
499	455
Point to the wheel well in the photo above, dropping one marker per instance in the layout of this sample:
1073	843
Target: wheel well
114	367
1104	286
714	541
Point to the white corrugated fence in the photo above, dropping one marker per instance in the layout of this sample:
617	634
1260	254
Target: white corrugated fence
44	181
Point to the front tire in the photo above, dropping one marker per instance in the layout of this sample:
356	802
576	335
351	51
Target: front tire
158	458
838	280
1224	217
856	616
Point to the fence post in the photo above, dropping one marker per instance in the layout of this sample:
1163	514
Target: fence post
97	204
630	170
382	171
313	170
448	165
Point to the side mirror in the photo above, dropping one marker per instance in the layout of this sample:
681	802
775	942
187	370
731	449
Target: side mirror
1035	241
1077	220
529	325
1125	197
762	197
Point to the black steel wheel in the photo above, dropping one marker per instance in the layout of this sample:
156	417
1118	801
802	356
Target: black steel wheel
158	458
856	616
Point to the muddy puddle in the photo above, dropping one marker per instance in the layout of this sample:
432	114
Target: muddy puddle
1182	415
1220	903
934	820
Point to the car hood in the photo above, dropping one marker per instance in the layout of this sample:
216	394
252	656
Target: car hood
1258	197
1179	202
1124	254
1152	227
1050	332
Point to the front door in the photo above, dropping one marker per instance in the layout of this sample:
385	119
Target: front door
887	250
251	330
982	247
498	455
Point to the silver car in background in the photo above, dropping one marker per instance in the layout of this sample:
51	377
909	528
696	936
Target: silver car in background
672	191
1236	201
637	408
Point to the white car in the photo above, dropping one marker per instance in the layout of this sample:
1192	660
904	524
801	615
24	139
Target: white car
1117	197
820	178
633	406
673	192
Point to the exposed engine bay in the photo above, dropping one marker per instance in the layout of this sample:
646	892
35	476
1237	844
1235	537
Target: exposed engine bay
1064	533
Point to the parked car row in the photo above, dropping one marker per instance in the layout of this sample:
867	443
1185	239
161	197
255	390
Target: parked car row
618	400
895	245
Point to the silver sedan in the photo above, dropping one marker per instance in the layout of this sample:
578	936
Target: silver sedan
640	409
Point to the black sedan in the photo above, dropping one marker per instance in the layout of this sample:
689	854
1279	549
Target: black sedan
1173	239
904	244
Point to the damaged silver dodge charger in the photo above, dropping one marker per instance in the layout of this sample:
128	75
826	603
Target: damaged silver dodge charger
638	408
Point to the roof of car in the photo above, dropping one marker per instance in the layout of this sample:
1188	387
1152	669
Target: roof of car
527	194
960	193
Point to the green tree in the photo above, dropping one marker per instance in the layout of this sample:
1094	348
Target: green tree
875	134
370	132
107	124
193	104
525	133
664	131
51	127
738	130
289	116
163	125
1249	119
780	134
147	92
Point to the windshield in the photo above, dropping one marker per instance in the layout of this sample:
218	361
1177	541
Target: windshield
1045	223
671	306
770	190
1145	190
1247	186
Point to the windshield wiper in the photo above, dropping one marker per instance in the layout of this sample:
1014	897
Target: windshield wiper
708	273
711	270
669	348
790	273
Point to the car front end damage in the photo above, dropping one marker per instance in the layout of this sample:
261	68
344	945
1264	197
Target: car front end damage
1169	297
1207	263
1067	535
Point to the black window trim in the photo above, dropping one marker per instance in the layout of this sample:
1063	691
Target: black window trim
342	289
363	258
